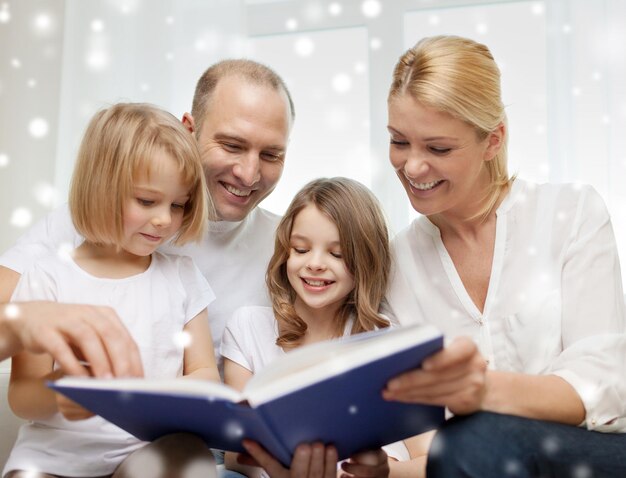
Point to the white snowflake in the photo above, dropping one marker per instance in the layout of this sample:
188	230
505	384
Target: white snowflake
97	25
342	83
182	339
304	46
233	430
376	43
21	217
291	24
335	9
46	195
371	8
482	28
43	23
12	311
38	128
550	445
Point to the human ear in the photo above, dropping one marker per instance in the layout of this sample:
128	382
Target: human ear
189	122
495	142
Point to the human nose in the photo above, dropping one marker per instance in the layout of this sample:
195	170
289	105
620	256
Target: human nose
315	262
248	169
415	165
162	217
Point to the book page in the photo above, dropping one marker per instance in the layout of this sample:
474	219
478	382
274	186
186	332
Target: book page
313	363
177	386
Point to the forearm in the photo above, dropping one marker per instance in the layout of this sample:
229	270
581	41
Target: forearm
31	399
543	397
204	373
414	468
9	341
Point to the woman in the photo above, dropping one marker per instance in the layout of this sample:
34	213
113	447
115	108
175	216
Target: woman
529	272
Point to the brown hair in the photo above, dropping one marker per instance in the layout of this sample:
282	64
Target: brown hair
118	144
251	71
364	242
458	76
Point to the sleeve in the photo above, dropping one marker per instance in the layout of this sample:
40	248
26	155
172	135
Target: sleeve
593	360
36	283
198	291
234	339
46	235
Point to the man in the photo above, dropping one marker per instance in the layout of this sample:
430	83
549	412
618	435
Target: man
241	116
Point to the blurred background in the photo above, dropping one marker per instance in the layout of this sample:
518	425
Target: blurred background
563	68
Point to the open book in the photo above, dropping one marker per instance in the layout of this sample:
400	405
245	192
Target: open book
329	392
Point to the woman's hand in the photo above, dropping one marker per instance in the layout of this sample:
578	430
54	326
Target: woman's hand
455	378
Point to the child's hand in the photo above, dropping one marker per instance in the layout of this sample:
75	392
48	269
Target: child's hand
371	464
71	410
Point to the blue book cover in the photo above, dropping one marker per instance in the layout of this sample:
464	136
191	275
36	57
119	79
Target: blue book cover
329	392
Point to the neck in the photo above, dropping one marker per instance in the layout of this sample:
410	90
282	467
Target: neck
108	261
321	323
466	221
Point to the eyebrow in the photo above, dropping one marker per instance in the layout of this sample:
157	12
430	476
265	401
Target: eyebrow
240	139
430	138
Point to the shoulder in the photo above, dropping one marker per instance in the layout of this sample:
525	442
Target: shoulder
252	317
178	266
566	203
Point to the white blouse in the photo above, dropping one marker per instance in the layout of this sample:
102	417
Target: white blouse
555	302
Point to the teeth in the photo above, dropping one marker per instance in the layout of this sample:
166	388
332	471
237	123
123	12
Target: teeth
316	283
424	186
237	192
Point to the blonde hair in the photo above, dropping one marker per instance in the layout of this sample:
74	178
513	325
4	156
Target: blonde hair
251	71
458	76
364	242
119	144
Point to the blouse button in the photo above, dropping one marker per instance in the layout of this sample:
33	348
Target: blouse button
593	422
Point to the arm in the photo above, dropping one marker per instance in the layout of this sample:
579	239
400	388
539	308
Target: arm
418	447
199	357
457	378
70	332
29	398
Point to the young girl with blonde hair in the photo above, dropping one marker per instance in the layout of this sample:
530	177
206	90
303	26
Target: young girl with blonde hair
138	182
326	279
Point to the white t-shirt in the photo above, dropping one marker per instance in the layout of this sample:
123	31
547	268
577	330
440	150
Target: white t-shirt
232	256
249	340
155	306
555	299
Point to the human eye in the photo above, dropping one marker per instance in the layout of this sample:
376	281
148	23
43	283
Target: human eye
271	156
179	206
145	202
299	250
397	142
336	254
231	147
439	150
